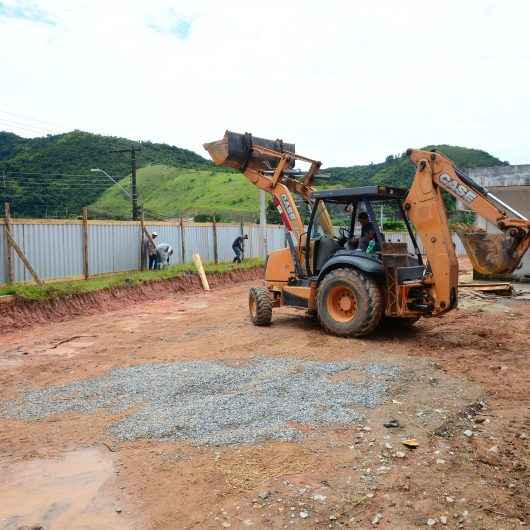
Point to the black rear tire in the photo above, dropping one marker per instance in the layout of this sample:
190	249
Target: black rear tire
349	303
260	306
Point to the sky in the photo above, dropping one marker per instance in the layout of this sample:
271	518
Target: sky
349	82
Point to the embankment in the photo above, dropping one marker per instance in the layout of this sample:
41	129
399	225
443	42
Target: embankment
21	313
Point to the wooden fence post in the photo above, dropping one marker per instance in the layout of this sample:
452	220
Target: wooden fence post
9	252
182	241
143	257
215	248
242	230
84	235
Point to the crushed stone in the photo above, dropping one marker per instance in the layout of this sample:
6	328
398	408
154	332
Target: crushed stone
212	402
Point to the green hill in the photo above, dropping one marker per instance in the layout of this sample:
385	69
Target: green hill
170	192
52	174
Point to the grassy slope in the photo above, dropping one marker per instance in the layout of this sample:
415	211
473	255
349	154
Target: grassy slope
32	292
173	191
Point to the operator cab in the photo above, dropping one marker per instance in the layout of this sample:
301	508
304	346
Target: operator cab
356	231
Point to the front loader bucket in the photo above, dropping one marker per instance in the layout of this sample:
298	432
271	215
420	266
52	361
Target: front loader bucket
490	254
235	150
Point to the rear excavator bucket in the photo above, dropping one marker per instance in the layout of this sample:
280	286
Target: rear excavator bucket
490	254
235	150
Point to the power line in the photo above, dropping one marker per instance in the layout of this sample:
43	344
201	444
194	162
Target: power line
26	117
37	182
55	179
24	124
62	180
87	175
37	130
58	180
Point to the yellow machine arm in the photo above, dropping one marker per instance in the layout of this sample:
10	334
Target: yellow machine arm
270	170
490	254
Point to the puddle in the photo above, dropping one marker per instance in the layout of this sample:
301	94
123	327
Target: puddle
67	493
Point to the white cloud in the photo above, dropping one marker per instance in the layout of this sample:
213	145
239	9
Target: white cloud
349	82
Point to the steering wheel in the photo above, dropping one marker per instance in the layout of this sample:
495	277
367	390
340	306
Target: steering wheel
344	234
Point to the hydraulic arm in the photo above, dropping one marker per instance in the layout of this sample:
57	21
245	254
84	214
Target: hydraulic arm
490	254
268	165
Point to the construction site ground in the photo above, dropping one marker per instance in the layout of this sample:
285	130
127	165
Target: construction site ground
77	452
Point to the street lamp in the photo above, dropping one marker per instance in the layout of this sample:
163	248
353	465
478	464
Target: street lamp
97	170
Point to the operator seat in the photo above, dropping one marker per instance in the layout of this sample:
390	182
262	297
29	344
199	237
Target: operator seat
324	248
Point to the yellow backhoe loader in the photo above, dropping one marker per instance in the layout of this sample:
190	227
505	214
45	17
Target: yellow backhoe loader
353	280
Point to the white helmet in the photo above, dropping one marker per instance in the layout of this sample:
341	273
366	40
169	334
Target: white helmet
154	234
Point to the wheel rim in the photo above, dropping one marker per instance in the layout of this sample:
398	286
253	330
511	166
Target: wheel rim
252	306
341	303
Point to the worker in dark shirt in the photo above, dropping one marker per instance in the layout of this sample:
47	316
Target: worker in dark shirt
368	233
150	251
237	247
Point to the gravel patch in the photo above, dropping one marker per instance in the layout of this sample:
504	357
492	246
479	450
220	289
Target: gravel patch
209	402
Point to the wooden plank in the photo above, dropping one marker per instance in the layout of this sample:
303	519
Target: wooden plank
84	236
23	258
502	289
8	250
215	247
198	263
489	284
148	236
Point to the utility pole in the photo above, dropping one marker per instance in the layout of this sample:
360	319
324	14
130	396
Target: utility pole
134	190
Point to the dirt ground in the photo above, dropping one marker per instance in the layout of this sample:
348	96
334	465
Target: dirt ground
465	402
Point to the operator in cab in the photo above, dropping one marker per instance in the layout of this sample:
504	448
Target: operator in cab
368	234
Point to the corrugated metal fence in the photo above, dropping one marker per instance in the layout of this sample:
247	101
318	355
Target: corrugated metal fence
55	248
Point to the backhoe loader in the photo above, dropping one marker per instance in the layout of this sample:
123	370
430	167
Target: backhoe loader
352	288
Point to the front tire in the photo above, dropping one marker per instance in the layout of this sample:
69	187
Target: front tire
349	303
260	306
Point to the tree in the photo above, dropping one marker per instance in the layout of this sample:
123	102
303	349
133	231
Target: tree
273	215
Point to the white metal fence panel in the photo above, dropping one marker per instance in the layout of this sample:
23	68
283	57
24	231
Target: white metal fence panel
55	249
254	244
226	235
275	237
3	270
199	239
113	247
